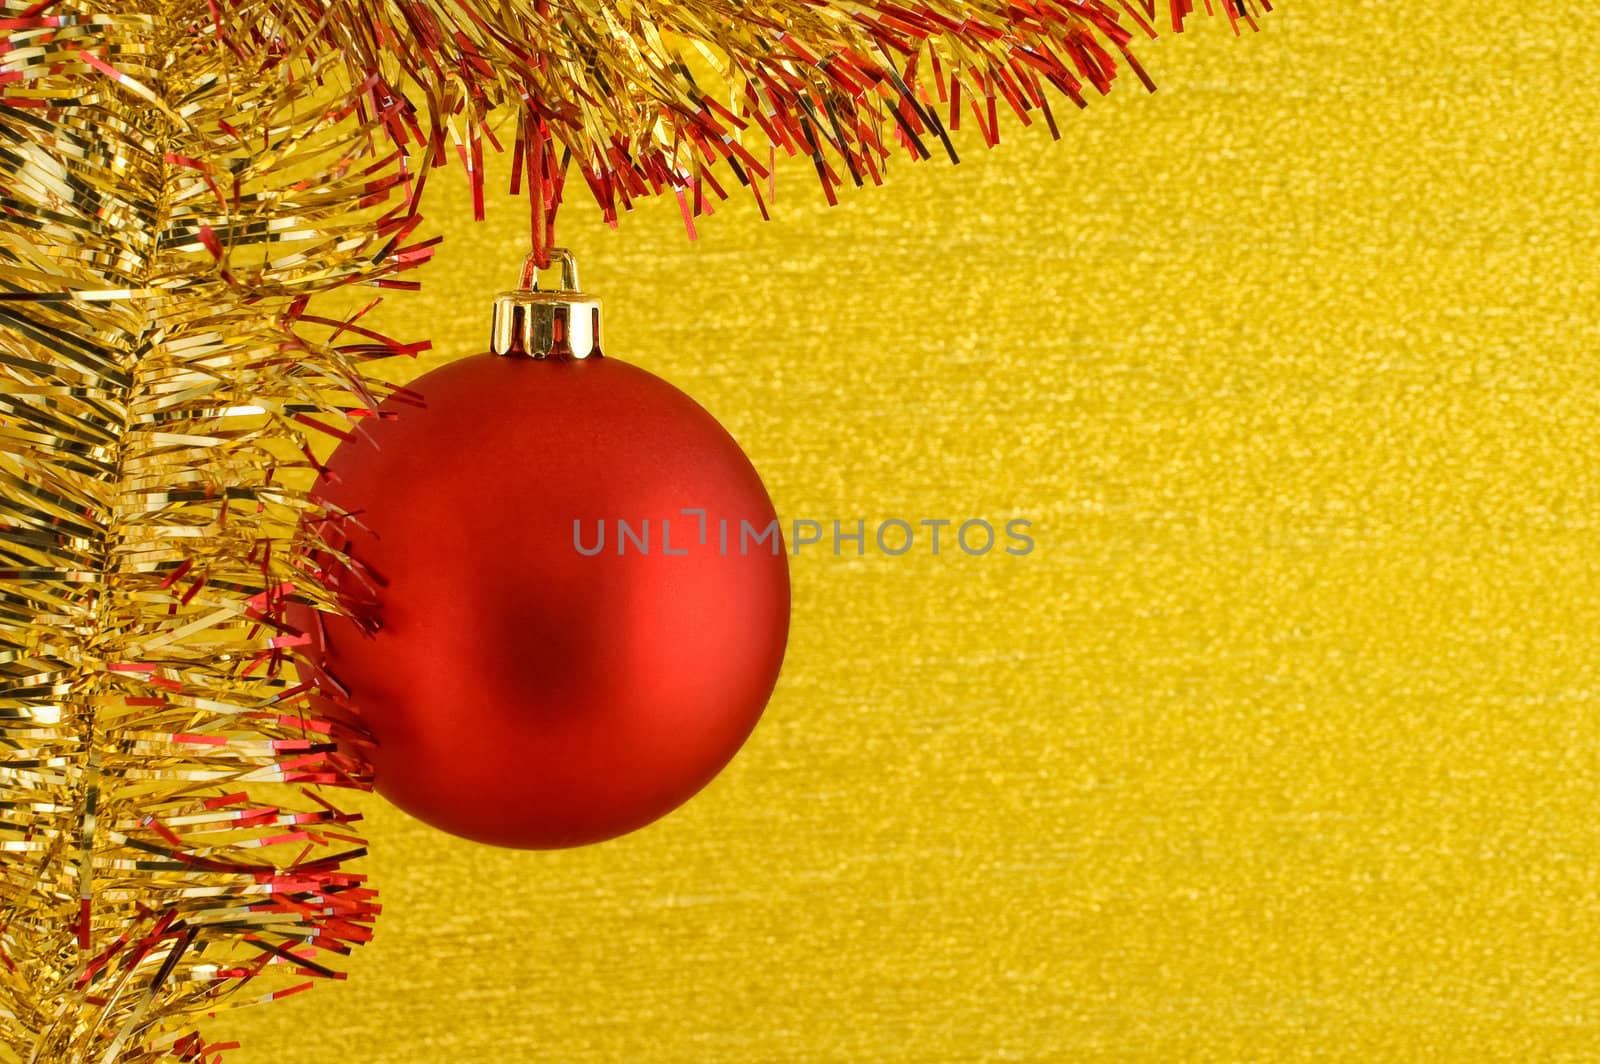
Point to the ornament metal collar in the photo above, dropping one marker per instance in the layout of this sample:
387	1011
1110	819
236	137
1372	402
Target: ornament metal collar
545	323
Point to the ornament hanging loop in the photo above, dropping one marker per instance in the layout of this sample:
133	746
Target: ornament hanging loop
534	322
569	269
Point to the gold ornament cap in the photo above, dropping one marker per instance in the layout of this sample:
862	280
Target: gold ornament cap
534	322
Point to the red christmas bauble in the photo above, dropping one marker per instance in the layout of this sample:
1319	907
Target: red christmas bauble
570	593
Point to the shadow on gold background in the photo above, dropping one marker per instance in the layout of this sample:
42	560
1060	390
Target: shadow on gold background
1282	743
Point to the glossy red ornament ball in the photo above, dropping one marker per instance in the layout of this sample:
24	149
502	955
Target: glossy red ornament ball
525	688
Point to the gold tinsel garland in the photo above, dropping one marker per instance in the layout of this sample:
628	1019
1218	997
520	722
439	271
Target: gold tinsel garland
170	206
178	180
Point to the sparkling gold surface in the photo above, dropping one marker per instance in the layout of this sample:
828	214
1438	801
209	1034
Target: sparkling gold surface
1281	746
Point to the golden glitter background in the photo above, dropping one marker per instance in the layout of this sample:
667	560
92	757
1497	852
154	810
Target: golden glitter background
1282	744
